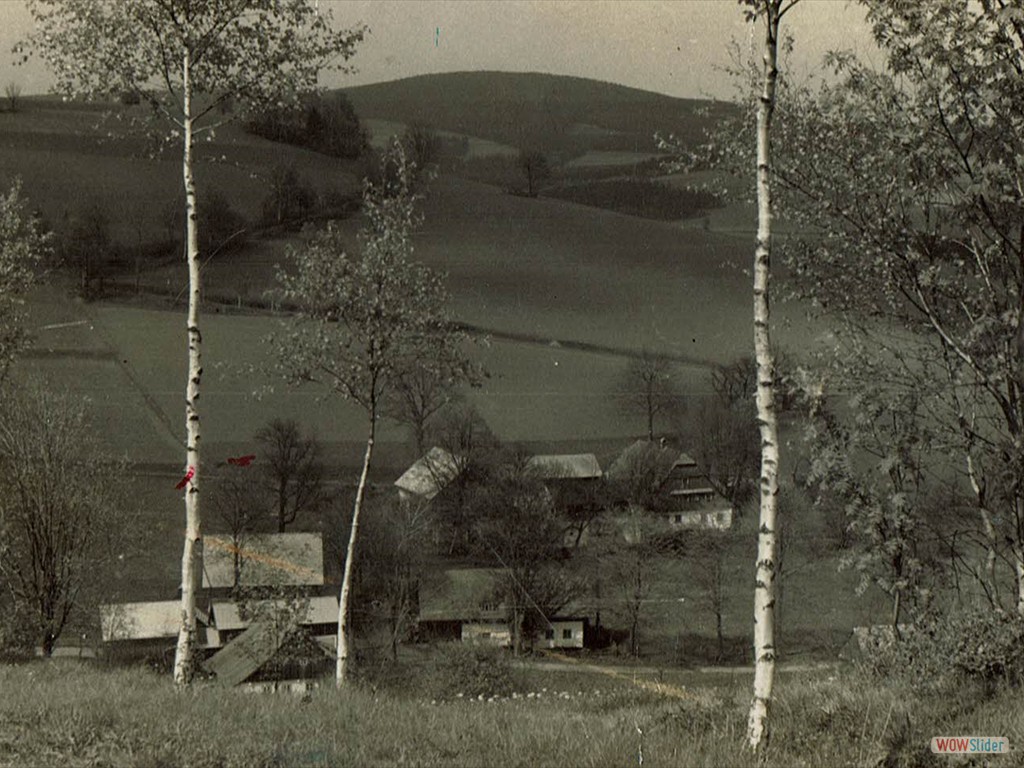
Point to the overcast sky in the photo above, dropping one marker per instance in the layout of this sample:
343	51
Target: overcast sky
670	46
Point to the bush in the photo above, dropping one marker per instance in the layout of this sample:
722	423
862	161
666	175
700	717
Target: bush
473	671
948	649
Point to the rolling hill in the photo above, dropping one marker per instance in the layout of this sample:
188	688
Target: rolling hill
567	116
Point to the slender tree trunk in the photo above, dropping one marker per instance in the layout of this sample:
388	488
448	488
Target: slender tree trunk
190	559
1019	574
341	672
764	585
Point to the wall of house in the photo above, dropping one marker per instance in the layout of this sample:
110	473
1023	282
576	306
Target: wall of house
718	519
564	634
494	633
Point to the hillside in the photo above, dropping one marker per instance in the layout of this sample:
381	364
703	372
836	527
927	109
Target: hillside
565	115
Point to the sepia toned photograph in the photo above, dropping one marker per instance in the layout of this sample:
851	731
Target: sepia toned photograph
473	383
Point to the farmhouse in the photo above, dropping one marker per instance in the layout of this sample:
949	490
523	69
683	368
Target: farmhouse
692	502
467	604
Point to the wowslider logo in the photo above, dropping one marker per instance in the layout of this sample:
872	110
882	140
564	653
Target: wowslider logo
970	745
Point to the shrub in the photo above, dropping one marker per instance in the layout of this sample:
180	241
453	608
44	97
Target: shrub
953	647
473	671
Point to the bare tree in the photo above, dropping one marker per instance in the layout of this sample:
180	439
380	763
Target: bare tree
293	470
421	393
534	165
629	562
392	562
200	56
64	518
517	530
13	93
647	388
239	505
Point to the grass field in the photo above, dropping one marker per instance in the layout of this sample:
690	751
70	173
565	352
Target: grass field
67	714
66	160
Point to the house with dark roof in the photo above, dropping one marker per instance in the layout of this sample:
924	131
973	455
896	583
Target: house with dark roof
692	501
673	484
468	604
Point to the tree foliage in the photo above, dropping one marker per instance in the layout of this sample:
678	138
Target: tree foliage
23	247
913	186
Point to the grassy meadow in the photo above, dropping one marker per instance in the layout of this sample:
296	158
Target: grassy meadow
71	714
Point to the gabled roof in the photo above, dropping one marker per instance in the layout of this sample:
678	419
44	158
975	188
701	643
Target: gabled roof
240	658
268	559
570	466
462	594
319	610
149	621
643	454
140	621
429	475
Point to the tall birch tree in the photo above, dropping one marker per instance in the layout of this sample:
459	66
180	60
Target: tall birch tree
187	59
913	183
365	320
771	13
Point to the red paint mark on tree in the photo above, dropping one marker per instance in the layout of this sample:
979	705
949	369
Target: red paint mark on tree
184	481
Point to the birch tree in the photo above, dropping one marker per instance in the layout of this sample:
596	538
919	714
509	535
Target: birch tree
366	319
185	59
771	12
914	186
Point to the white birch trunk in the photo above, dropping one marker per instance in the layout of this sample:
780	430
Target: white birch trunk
1018	567
341	671
764	585
190	565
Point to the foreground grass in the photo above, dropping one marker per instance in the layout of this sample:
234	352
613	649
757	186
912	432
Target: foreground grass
76	715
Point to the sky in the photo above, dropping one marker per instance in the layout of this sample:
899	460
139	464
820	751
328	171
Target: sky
676	47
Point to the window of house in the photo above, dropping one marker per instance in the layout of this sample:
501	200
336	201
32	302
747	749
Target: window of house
567	634
485	635
679	518
550	634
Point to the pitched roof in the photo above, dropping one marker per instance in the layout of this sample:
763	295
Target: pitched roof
575	466
319	610
266	559
140	621
643	454
240	658
149	621
462	593
428	476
